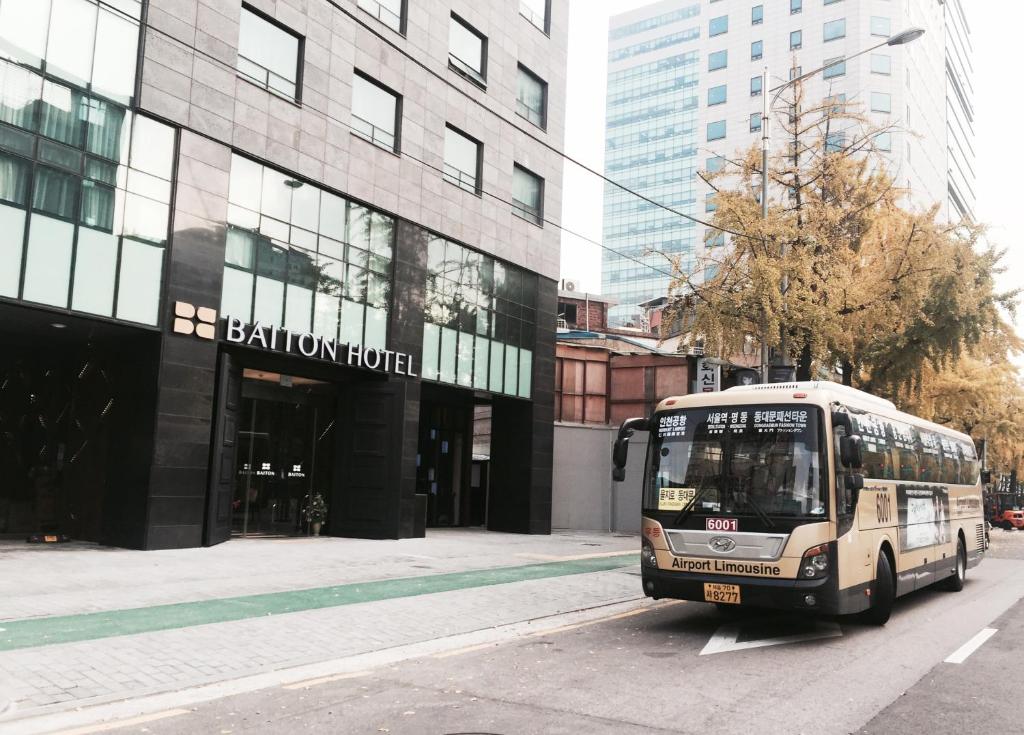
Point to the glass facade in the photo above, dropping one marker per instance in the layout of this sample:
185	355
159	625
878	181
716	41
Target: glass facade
651	146
85	188
305	259
480	321
92	46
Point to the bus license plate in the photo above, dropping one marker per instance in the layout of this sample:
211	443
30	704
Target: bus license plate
721	524
727	593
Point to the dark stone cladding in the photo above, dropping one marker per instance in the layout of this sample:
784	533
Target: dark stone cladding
522	437
185	395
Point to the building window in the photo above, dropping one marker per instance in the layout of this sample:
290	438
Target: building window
794	72
537	12
881	102
90	184
480	321
268	54
527	195
389	12
837	102
714	164
85	43
716	95
755	121
756	85
710	203
757	15
756	50
796	39
795	6
881	64
883	142
835	142
880	26
834	29
716	130
462	160
305	259
714	239
829	2
718	60
835	67
718	26
467	51
568	312
375	112
532	97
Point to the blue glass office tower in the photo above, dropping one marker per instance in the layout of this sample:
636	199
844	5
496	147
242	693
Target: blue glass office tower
651	147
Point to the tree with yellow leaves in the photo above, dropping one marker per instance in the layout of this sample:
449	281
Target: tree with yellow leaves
871	287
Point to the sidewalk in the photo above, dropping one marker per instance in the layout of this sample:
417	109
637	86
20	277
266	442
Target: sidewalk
82	625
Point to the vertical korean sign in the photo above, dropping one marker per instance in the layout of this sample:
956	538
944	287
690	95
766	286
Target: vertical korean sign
708	376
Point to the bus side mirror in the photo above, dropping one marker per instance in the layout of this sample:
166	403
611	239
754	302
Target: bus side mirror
621	449
850	452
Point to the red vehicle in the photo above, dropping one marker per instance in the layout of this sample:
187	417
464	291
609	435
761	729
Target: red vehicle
1009	519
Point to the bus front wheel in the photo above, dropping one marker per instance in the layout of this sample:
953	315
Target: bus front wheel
882	594
956	582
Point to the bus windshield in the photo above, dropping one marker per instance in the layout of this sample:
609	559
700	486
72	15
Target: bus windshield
763	460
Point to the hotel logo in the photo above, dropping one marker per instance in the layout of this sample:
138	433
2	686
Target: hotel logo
201	322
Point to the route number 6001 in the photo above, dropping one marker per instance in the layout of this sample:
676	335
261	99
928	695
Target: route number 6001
883	508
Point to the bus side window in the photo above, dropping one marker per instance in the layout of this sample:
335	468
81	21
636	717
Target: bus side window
909	464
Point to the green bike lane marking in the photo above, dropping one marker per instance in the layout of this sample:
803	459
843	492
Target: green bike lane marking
35	632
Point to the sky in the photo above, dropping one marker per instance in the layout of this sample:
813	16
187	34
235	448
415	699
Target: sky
999	108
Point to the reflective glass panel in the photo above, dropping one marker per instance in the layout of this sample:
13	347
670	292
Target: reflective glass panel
113	71
12	235
138	295
374	112
95	272
466	47
48	262
23	26
69	45
267	53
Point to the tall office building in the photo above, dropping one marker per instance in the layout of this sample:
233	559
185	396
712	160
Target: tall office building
652	147
256	252
923	89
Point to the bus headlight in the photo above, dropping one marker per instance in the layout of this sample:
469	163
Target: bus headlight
647	556
814	565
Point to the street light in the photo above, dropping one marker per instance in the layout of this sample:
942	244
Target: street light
901	38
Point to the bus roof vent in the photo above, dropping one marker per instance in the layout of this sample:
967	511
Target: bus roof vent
838	389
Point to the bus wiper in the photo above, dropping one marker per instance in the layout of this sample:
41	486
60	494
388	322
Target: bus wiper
689	507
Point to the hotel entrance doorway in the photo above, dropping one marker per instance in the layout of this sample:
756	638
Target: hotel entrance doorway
285	456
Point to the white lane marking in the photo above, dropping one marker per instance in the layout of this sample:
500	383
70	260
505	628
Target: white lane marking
960	655
726	638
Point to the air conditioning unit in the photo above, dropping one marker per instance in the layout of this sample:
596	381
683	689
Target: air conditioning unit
568	284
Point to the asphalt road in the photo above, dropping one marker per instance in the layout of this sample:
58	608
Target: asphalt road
683	668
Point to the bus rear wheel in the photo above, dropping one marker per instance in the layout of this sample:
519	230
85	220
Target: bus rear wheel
883	593
956	582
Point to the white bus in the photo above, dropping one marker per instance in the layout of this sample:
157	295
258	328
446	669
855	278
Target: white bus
803	496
